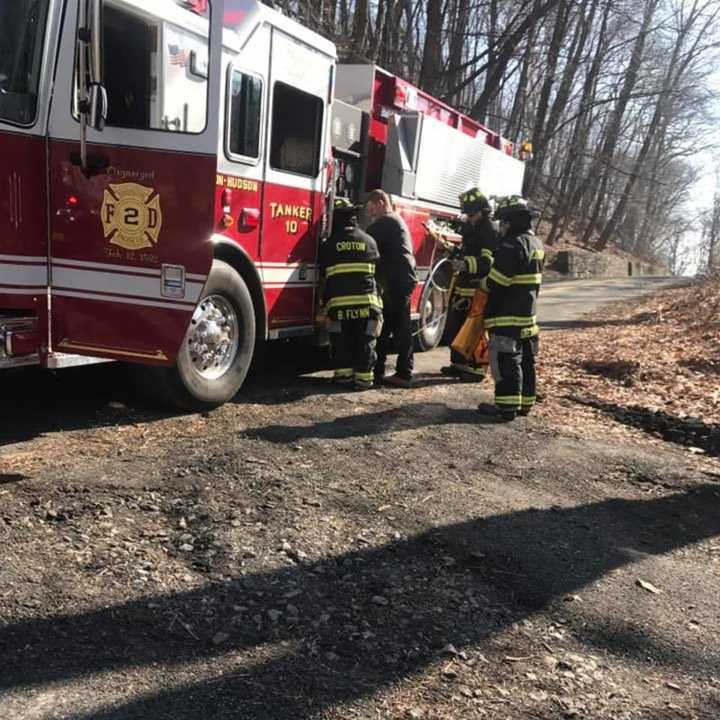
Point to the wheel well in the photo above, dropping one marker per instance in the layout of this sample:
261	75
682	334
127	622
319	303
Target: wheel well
236	258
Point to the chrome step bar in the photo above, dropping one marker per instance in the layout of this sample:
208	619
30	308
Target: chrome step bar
59	361
10	324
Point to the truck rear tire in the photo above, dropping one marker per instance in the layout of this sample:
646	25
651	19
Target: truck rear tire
217	350
431	325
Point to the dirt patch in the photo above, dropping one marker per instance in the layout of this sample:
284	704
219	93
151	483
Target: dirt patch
623	371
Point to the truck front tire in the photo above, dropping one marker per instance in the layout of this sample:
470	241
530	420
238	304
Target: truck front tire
217	350
431	325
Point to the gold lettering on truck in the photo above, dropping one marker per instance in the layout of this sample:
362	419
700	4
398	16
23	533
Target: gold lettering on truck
131	216
236	183
303	212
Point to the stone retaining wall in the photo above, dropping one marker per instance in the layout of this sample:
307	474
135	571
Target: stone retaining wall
578	264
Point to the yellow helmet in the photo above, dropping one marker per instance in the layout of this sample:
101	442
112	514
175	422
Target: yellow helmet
343	204
511	205
473	201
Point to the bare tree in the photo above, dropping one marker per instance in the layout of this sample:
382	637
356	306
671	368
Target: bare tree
710	247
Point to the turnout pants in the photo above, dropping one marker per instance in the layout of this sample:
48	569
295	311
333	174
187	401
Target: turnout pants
352	347
398	329
512	362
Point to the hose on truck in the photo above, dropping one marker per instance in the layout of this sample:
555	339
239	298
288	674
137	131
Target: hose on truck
434	285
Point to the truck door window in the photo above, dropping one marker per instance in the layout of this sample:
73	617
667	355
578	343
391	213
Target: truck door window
296	131
155	65
128	44
22	30
245	110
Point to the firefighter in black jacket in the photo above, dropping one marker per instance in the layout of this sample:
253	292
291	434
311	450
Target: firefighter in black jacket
479	239
511	313
350	297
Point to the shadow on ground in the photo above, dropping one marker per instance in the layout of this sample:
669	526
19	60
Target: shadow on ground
36	402
40	402
706	366
397	419
10	478
686	430
390	610
645	318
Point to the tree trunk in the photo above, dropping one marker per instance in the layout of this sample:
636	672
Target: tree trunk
360	26
515	128
461	16
432	64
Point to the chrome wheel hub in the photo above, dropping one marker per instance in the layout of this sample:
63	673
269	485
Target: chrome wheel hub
431	313
213	338
429	310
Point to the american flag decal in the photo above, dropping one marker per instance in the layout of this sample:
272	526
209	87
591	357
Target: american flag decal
178	56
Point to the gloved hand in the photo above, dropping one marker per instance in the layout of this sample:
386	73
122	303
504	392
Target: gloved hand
459	265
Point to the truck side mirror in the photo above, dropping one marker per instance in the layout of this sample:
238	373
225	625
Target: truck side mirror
93	101
97	94
97	106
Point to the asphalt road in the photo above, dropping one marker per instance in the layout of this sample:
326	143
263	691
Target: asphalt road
564	304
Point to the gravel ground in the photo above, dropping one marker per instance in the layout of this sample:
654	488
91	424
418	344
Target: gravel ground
308	553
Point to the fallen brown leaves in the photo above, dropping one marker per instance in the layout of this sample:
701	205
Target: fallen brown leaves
654	365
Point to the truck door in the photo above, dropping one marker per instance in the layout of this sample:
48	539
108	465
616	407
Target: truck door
26	28
130	235
293	201
241	167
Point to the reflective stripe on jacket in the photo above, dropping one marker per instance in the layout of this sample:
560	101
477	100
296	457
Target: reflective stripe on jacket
347	260
478	246
513	284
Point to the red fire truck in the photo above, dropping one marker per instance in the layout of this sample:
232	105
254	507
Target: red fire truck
165	170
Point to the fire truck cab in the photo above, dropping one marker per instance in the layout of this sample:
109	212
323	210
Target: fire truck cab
165	171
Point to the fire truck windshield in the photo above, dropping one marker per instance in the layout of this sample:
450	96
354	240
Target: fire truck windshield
22	31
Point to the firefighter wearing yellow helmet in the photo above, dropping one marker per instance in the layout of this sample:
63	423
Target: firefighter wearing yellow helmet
479	239
511	313
350	297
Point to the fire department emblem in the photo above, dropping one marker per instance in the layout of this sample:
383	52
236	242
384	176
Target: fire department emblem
131	216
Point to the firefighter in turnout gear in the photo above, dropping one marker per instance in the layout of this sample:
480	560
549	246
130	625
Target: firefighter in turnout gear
511	313
350	297
479	239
